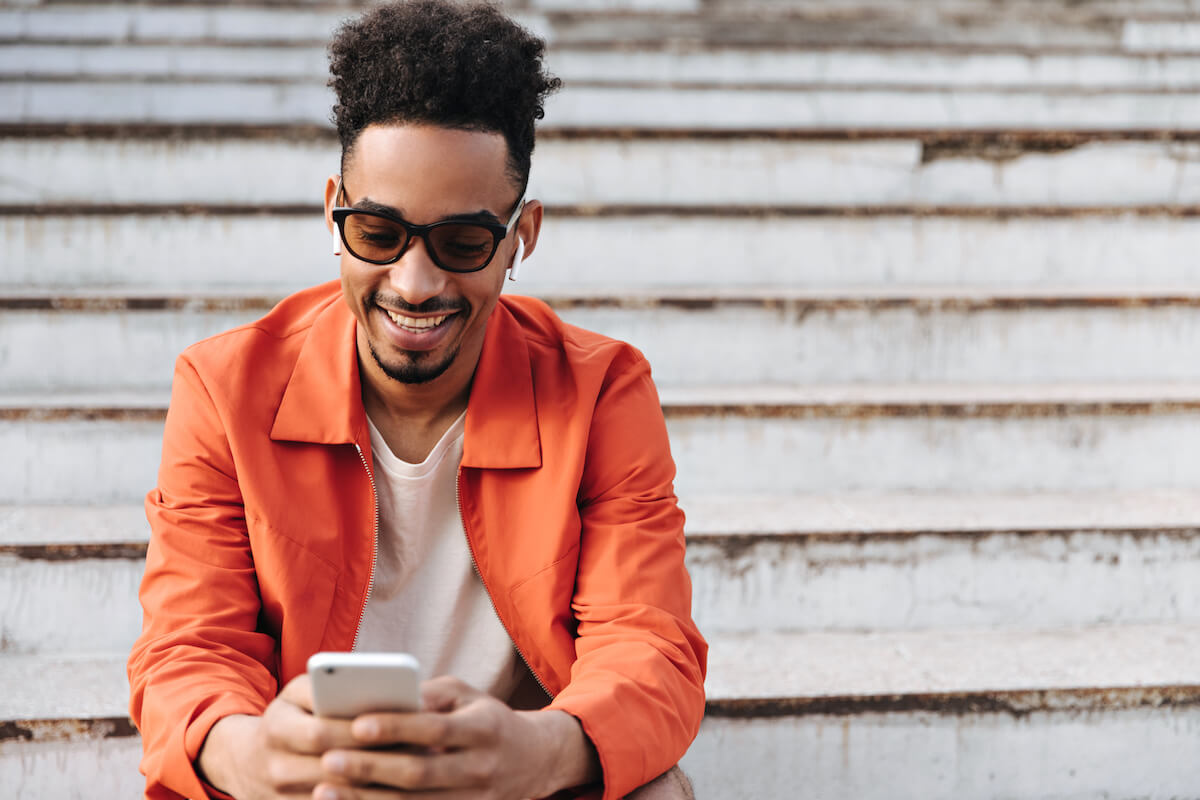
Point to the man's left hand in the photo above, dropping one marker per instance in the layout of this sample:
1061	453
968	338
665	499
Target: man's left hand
464	744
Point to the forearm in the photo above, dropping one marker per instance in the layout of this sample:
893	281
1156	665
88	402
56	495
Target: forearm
570	758
216	764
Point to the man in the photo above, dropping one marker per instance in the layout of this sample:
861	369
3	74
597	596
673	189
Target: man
407	461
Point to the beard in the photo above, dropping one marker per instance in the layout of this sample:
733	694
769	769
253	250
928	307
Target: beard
418	368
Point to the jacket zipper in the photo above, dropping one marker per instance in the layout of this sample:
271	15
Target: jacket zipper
487	589
362	614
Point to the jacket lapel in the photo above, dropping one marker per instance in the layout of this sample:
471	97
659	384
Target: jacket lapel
501	425
323	399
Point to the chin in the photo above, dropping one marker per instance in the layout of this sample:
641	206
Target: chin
415	368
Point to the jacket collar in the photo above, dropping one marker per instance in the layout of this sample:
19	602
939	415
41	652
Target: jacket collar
323	399
322	402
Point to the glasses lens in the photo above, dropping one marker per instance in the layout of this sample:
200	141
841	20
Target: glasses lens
462	246
373	238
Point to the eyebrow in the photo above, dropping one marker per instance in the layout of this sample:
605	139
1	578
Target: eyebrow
483	215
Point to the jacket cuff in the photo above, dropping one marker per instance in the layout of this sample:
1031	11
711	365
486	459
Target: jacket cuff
193	739
617	779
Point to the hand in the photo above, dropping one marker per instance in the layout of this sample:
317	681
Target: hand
469	745
273	756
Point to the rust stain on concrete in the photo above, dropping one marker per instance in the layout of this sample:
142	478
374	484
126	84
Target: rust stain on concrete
77	414
66	730
133	551
1013	703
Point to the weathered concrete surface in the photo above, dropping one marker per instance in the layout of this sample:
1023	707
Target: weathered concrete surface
668	172
115	343
650	64
277	254
68	606
1144	753
872	438
786	563
1078	668
741	584
80	770
859	108
943	580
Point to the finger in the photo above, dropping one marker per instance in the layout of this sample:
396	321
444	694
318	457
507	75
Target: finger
298	692
291	773
328	791
471	726
413	771
289	727
446	693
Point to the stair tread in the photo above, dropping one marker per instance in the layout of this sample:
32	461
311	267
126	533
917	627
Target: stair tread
744	515
1095	667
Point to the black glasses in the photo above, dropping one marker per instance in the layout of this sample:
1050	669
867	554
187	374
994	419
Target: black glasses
455	245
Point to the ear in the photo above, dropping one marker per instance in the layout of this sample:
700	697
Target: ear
331	191
530	225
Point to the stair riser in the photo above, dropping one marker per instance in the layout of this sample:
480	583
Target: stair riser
1007	580
189	24
88	605
309	103
719	66
932	581
73	770
115	351
961	756
115	461
679	173
281	253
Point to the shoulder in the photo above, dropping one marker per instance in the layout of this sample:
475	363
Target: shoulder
555	344
249	367
272	340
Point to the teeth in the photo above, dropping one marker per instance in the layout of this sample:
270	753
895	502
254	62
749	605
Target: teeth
414	322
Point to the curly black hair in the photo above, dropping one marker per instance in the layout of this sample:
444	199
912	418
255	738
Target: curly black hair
464	66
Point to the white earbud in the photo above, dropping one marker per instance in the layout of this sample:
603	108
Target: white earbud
517	257
337	240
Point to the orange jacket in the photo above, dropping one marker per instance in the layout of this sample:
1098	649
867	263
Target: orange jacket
263	531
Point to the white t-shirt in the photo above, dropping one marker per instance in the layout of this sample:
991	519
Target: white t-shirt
427	599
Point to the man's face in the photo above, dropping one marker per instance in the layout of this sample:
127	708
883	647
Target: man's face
417	321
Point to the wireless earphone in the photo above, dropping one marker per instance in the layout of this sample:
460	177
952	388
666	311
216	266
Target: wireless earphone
517	257
337	240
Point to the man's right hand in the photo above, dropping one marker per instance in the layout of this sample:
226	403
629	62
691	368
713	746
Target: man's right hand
273	756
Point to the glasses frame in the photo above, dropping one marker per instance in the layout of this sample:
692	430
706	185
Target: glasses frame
412	232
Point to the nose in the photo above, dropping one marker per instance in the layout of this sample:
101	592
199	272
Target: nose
415	277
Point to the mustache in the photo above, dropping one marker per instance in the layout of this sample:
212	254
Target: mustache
434	305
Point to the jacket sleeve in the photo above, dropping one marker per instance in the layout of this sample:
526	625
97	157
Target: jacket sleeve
637	685
199	656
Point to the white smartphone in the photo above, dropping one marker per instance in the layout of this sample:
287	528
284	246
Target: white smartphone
345	685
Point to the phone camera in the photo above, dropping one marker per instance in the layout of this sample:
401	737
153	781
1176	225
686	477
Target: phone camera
329	670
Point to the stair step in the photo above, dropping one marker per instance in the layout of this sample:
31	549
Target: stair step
79	175
958	714
876	561
104	449
909	561
119	341
1048	714
746	108
646	65
1106	253
766	23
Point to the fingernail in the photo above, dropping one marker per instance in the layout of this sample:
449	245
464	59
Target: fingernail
367	729
334	762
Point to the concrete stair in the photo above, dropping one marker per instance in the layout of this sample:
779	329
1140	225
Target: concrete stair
917	282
